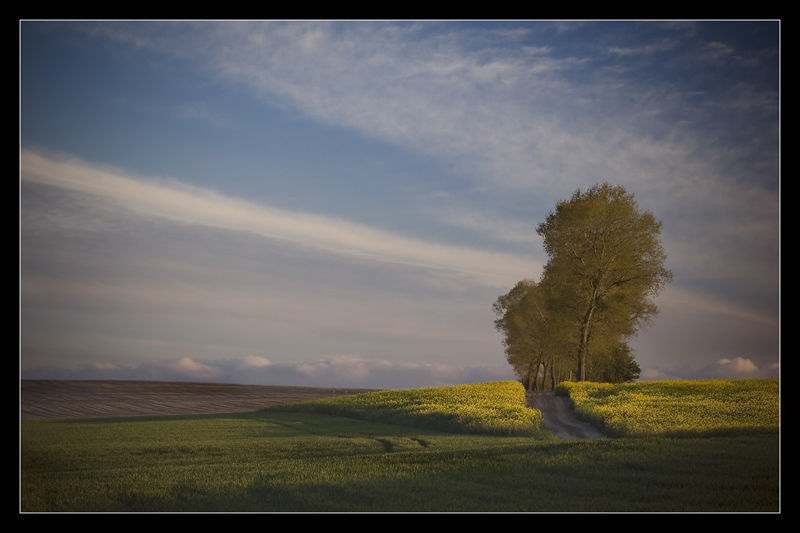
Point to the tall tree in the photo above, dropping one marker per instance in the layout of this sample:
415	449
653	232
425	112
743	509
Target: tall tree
533	341
514	322
607	260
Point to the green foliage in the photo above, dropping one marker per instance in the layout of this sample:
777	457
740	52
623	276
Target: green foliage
678	408
596	291
616	365
496	408
307	462
607	261
536	339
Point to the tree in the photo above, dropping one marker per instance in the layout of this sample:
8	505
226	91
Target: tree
616	365
515	317
533	341
607	262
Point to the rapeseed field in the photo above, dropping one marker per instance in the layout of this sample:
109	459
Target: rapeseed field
495	408
678	407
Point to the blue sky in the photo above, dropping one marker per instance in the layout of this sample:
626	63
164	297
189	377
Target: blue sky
339	203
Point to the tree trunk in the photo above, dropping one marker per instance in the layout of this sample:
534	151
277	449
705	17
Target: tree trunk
583	348
582	360
532	377
544	376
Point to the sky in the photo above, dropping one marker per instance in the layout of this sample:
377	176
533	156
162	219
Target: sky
339	203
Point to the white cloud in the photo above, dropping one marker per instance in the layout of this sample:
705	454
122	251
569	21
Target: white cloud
521	122
339	371
254	361
738	365
736	368
509	230
494	108
653	374
189	368
176	201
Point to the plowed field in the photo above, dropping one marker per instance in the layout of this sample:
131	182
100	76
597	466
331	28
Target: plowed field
85	399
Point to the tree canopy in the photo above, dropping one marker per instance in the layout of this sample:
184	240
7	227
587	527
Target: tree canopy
596	291
535	337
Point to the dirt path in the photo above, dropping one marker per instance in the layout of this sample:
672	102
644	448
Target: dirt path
559	417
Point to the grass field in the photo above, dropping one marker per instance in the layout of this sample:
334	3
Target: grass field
279	460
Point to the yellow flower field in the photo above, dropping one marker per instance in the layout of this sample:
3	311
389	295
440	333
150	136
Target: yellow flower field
678	407
496	408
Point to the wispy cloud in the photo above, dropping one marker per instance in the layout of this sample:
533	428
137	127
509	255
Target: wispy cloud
661	45
513	116
430	91
179	202
127	268
516	118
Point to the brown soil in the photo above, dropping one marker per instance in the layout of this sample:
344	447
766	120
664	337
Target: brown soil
91	399
559	417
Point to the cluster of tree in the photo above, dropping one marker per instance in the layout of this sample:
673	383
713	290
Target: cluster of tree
595	293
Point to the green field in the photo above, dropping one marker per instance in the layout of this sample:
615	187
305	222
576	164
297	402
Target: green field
280	460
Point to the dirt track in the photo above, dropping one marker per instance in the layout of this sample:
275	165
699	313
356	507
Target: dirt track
559	417
91	399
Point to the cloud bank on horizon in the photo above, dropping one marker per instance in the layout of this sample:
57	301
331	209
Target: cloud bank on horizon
340	203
